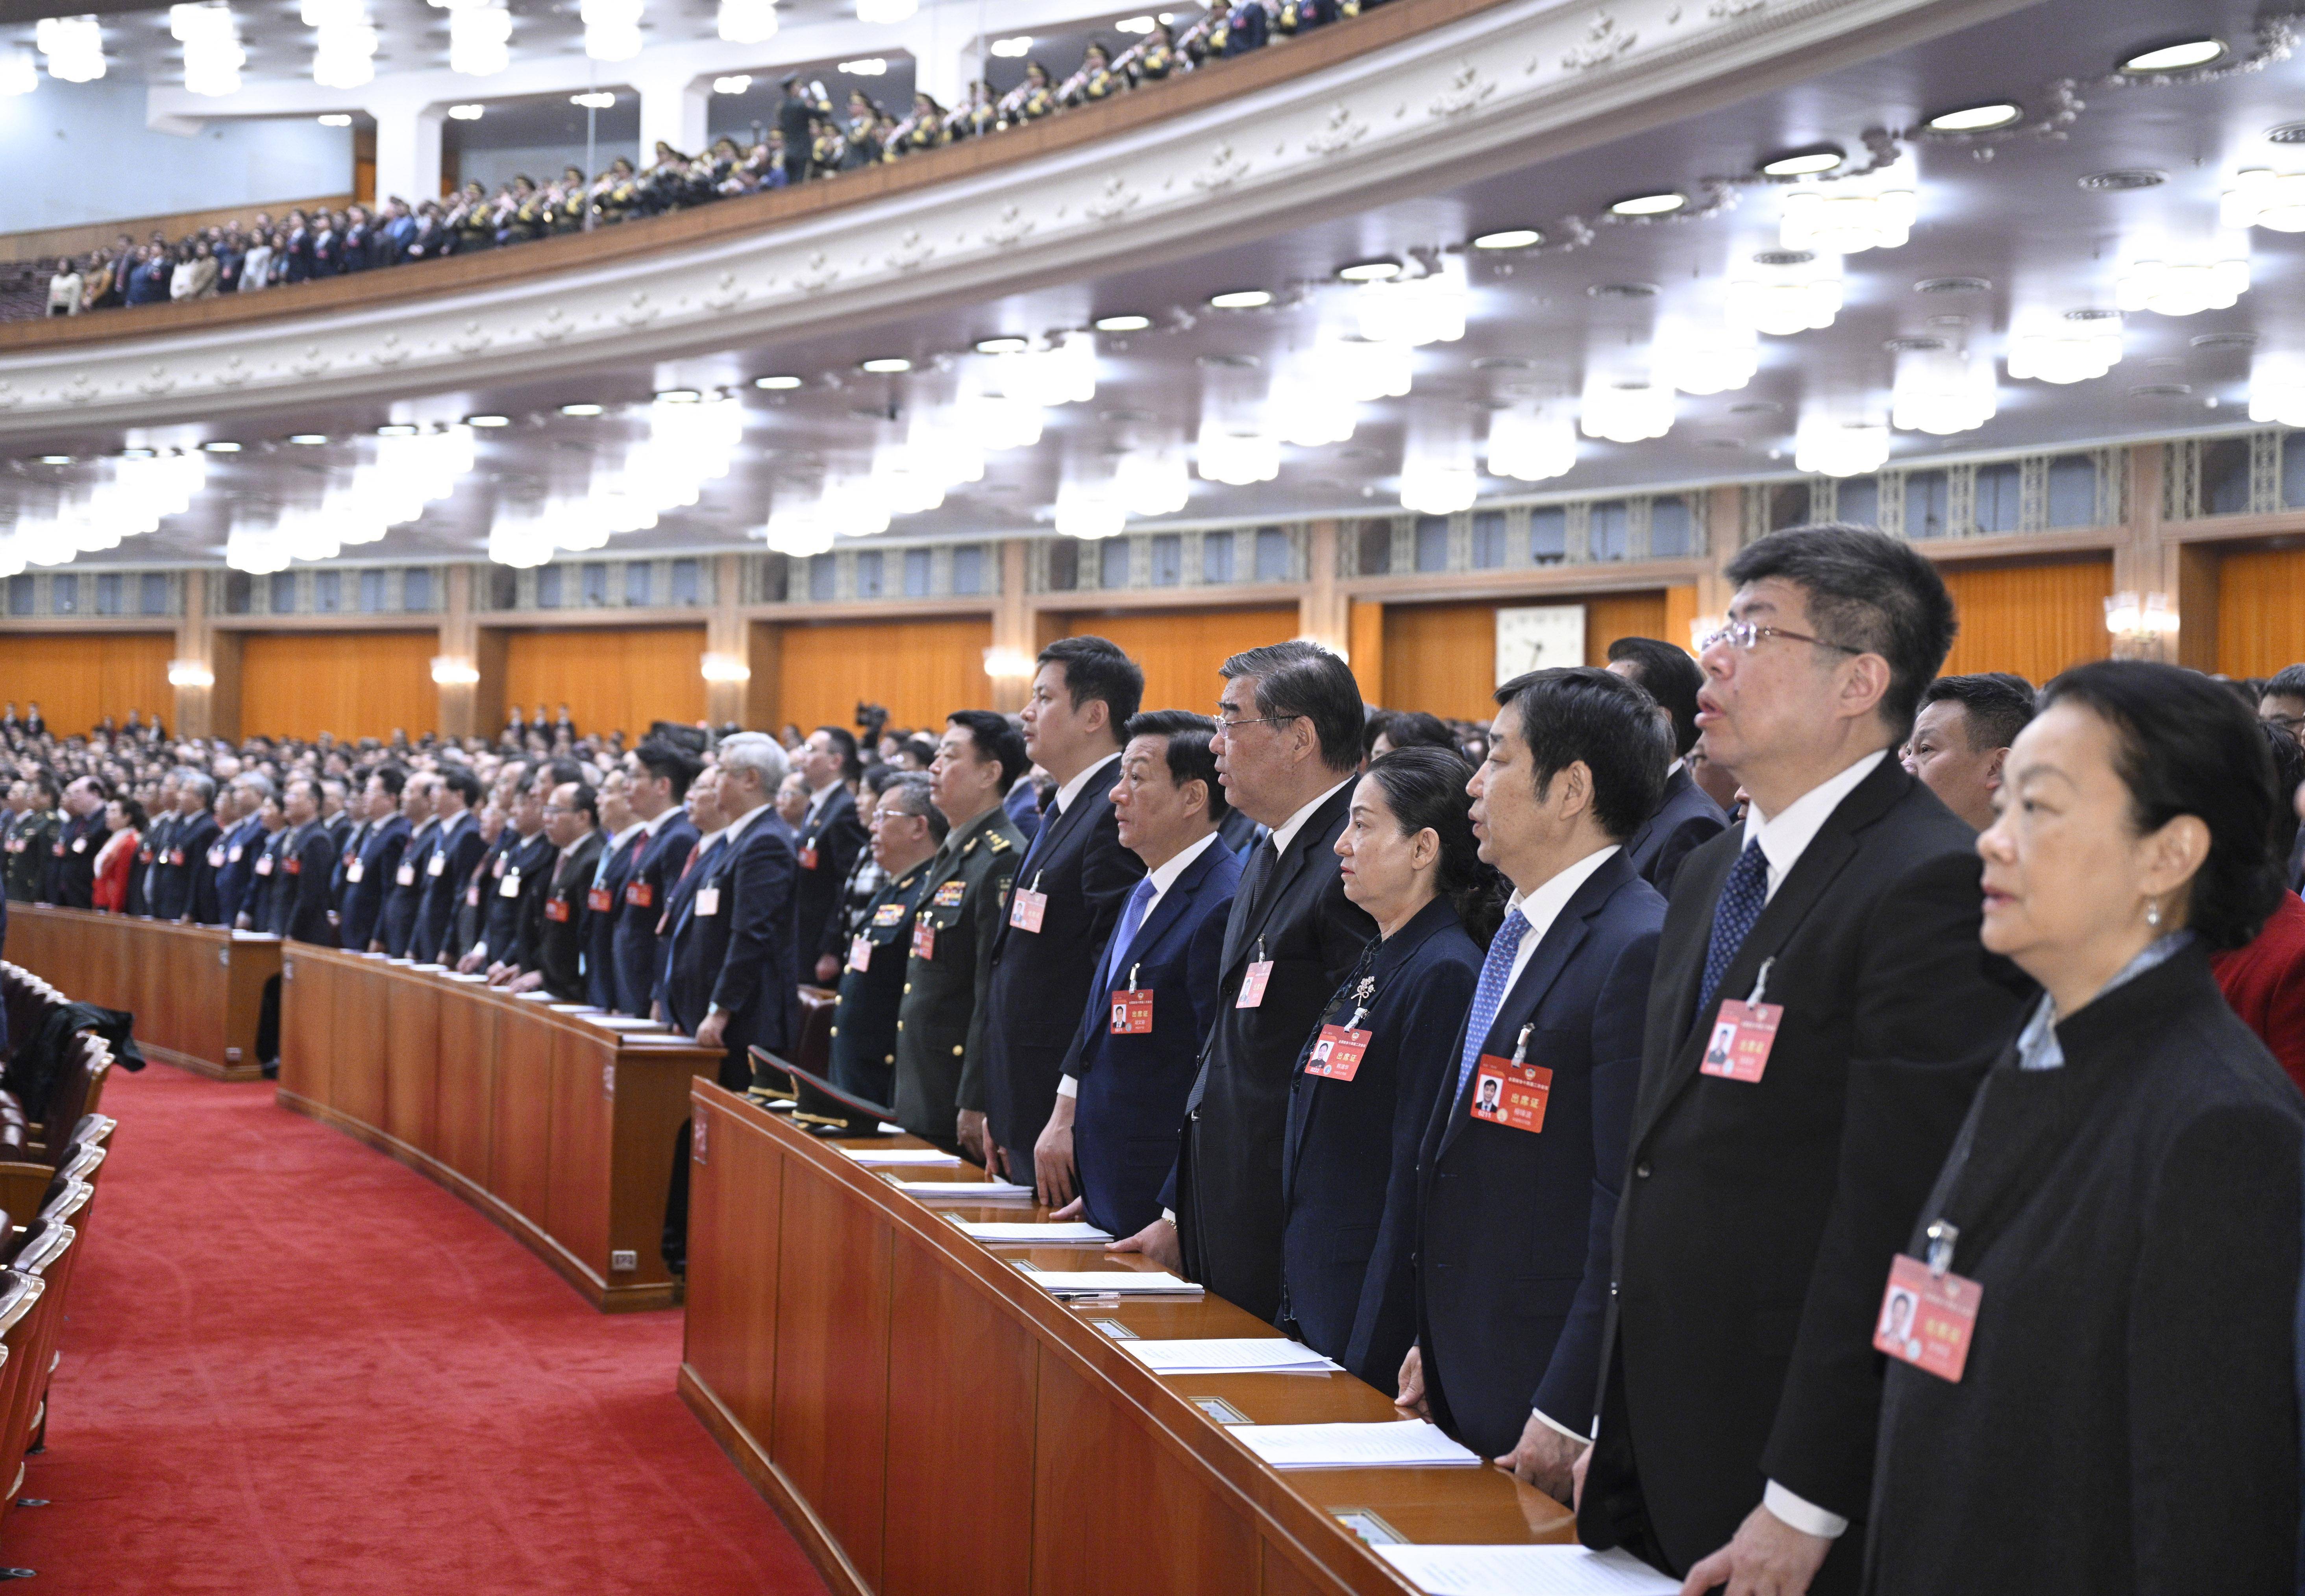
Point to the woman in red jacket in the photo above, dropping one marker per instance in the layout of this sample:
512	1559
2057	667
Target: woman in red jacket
2264	981
117	857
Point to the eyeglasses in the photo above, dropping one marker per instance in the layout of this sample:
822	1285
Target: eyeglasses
2291	724
1745	635
1233	725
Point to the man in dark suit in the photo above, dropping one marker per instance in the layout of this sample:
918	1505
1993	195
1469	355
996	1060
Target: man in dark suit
1741	1392
1684	816
1065	900
195	829
831	836
72	879
297	905
144	875
522	868
231	813
703	809
658	774
455	848
1288	745
551	949
1961	736
1127	1071
621	840
1512	1255
908	829
371	858
734	980
404	897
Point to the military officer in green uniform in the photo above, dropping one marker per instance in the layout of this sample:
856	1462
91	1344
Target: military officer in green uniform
31	839
907	827
939	1089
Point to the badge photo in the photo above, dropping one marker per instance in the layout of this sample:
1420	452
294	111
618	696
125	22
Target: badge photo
1928	1313
1028	906
1738	1050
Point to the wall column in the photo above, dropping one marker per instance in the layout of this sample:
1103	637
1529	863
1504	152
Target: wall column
728	641
459	645
1323	613
193	713
407	148
2145	560
1014	638
672	109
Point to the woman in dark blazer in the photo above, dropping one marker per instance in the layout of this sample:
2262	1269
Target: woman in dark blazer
2121	1213
1348	1165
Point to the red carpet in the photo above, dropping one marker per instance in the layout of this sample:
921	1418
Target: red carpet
294	1367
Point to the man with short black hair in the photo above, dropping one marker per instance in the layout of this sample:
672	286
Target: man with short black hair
520	870
552	941
372	860
1685	815
445	865
658	774
403	895
71	880
1961	736
831	836
2281	701
240	846
297	904
733	981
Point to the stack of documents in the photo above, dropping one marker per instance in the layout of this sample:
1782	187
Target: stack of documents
1404	1443
925	1157
1230	1355
1108	1282
1515	1570
1069	1233
621	1021
963	1190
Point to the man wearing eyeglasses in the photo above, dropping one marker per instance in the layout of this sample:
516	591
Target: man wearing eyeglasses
1764	1202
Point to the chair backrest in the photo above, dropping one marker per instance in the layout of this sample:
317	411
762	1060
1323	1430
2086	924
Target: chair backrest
78	1166
79	1086
23	1374
814	1053
94	1130
65	1200
45	1241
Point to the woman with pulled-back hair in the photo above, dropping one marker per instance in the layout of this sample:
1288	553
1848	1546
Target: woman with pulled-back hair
1365	1082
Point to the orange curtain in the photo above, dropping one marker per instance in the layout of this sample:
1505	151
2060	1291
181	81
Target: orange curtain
352	684
2260	611
1442	658
921	671
1181	649
2034	620
612	678
79	677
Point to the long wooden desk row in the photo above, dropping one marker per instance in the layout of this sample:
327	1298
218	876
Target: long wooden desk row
930	1422
196	991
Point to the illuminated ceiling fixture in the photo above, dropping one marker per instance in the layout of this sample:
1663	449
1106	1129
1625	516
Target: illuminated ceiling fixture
2182	288
1153	477
1831	445
1702	358
1623	411
2276	388
612	28
1013	49
775	384
1240	299
1941	391
1784	292
1804	163
867	66
1510	238
798	529
336	119
580	410
1829	221
1976	119
1369	271
885	365
1310	407
747	23
1438	476
1003	345
1365	371
598	100
1415	311
1089	503
344	43
20	72
75	46
885	10
988	414
2265	198
488	420
1134	25
2176	57
212	54
1062	371
1533	441
2083	346
1649	204
311	439
735	83
480	40
466	113
1123	324
222	445
1236	444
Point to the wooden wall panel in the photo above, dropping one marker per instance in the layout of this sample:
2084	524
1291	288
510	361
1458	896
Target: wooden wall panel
78	678
2034	620
2260	611
614	678
354	683
1442	658
1181	649
1609	616
923	670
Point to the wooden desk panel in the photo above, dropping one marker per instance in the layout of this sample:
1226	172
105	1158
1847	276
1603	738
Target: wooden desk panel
584	1098
938	1424
195	990
412	1064
465	1093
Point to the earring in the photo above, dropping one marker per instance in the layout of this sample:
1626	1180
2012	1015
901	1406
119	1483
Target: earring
2152	913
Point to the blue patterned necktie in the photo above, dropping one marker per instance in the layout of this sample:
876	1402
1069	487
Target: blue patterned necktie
1743	896
1132	920
1490	996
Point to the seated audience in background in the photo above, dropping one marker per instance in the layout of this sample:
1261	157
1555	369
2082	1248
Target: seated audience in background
907	830
2281	704
123	820
1961	736
1388	729
1685	814
2264	980
2121	1216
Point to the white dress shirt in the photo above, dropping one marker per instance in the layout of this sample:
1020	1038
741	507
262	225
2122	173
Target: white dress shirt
1162	879
1283	835
1079	784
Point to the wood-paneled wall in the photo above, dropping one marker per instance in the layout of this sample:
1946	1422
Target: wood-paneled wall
1442	658
2034	619
352	684
615	678
78	678
922	670
1181	649
2260	611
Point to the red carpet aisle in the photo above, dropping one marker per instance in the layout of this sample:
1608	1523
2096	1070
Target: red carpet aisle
294	1367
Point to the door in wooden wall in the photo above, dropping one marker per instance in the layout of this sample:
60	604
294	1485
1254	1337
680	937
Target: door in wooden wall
2034	620
1442	658
1181	650
352	684
77	678
921	671
2260	611
612	678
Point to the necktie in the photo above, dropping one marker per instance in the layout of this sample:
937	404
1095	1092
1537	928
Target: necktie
1132	920
1490	994
1743	896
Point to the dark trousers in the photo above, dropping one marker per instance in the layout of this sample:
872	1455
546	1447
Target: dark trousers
735	1075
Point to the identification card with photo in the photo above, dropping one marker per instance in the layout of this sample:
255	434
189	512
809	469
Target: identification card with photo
708	902
1926	1319
406	875
1131	1012
1742	1035
600	899
923	940
1337	1053
1510	1094
1251	985
1027	908
556	909
860	952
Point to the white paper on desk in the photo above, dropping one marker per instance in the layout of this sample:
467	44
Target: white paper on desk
1404	1443
1230	1355
1099	1282
535	994
1516	1570
620	1021
902	1155
1066	1233
891	1130
963	1190
468	979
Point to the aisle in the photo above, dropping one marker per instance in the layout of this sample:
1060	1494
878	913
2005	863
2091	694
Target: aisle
295	1368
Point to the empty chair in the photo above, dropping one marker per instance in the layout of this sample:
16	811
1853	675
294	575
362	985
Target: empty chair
20	1298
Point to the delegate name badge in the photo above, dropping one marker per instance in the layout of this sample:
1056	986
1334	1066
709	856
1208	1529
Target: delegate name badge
406	875
1927	1313
354	870
1337	1051
1253	982
264	865
473	895
808	858
1027	905
1132	1007
215	859
860	952
233	854
599	900
1512	1091
509	887
708	902
176	858
948	893
923	940
1742	1035
556	911
436	864
888	914
640	895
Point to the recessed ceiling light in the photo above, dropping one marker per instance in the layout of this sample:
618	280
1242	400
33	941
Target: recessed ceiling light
1134	25
867	66
2288	132
398	429
1755	407
136	453
1512	238
1002	345
678	397
1625	291
2225	341
2176	57
1649	204
883	365
1503	362
1123	324
1240	299
775	384
223	445
2160	390
308	437
336	119
55	460
1370	271
1012	49
1226	361
735	83
1802	163
580	410
2123	179
488	420
1976	119
599	99
467	113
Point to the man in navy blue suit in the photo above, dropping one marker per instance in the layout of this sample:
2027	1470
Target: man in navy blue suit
1517	1205
734	977
1154	994
404	893
623	840
1684	816
658	774
447	865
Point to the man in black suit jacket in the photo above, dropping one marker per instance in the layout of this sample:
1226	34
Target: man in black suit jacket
1512	1254
521	870
1684	816
297	904
371	858
658	774
1288	745
1065	900
72	882
404	896
734	980
552	942
622	842
831	836
189	839
1742	1393
455	848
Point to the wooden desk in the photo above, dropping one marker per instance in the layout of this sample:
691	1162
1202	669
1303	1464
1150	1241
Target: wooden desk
560	1130
929	1423
196	991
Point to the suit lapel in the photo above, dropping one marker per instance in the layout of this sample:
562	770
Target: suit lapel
1171	907
1283	871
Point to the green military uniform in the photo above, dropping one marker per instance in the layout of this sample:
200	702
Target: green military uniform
872	988
31	840
941	1020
